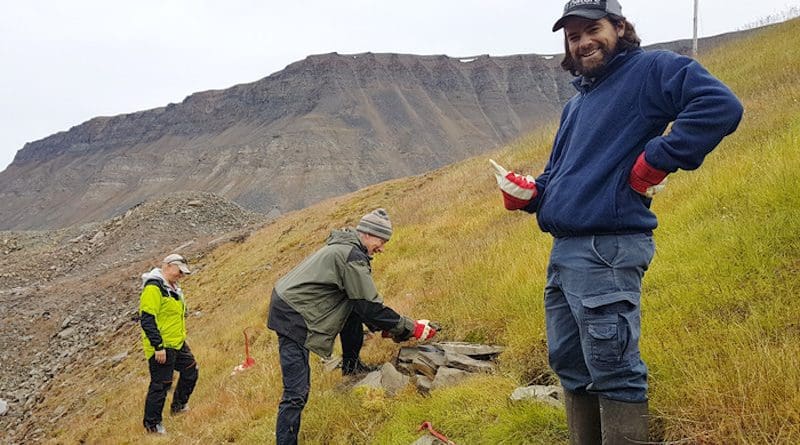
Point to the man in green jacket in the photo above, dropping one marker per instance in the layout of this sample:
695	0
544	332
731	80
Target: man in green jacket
162	312
330	293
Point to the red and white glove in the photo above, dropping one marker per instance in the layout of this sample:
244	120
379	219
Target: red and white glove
518	191
645	179
424	329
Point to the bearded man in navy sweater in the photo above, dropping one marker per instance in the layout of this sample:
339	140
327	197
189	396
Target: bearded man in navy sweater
610	155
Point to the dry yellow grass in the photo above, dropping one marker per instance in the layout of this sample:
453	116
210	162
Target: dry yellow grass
721	333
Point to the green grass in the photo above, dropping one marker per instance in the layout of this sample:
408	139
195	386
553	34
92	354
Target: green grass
721	329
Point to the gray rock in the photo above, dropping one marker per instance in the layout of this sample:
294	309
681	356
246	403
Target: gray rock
119	358
3	407
461	361
434	359
448	377
407	354
97	237
184	246
405	368
66	333
470	349
427	439
391	380
418	365
423	383
372	380
550	394
386	378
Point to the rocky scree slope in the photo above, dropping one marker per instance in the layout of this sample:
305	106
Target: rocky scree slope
67	296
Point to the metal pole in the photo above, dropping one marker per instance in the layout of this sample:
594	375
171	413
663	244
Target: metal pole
694	40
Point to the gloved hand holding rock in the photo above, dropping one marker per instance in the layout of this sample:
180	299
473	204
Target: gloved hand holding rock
518	191
423	330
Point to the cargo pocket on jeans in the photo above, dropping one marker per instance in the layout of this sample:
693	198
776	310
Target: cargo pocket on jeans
605	317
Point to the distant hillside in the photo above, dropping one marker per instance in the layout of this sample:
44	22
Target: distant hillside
322	127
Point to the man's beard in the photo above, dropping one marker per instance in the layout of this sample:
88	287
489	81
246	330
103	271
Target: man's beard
596	69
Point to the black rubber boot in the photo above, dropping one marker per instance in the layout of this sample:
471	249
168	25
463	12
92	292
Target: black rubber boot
623	423
583	418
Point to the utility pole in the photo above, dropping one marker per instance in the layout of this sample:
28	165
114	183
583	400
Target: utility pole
694	40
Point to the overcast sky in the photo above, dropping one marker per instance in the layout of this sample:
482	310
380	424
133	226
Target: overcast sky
64	62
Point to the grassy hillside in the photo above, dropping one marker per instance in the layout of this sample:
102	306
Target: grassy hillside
720	315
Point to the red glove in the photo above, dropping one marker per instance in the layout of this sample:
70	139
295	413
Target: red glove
424	329
518	191
646	179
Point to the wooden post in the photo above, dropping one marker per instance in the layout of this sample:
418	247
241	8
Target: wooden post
694	39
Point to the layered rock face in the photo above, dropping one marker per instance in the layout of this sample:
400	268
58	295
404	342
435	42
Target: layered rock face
322	127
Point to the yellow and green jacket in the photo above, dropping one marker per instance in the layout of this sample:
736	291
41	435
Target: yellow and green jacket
162	313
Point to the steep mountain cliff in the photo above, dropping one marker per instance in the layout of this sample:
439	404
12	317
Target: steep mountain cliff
322	127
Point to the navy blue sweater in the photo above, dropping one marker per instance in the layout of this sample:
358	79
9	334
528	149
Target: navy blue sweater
584	189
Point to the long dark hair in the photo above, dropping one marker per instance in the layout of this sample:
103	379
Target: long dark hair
629	40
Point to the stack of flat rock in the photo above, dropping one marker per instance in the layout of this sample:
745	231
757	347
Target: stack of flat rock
432	366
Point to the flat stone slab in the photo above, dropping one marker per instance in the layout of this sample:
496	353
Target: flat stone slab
392	380
420	366
386	378
470	349
424	383
448	377
550	394
467	363
433	359
407	354
372	380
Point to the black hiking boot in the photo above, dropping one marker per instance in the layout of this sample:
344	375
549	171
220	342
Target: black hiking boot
352	367
179	408
156	429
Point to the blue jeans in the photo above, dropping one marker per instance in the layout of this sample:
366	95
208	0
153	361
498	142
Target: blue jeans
296	385
592	310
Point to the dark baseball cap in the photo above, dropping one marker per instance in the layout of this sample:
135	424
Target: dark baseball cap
588	9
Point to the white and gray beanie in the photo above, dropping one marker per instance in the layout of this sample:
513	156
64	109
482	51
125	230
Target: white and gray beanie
376	223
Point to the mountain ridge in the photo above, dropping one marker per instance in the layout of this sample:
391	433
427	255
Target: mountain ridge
323	126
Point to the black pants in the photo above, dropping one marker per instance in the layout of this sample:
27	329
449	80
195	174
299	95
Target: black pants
352	338
296	385
161	380
297	377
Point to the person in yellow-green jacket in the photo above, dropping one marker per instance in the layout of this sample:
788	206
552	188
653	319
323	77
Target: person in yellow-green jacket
162	312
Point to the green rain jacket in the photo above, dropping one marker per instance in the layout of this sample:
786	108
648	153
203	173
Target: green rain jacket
312	302
162	313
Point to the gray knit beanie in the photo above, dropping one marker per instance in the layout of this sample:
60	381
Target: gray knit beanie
376	223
